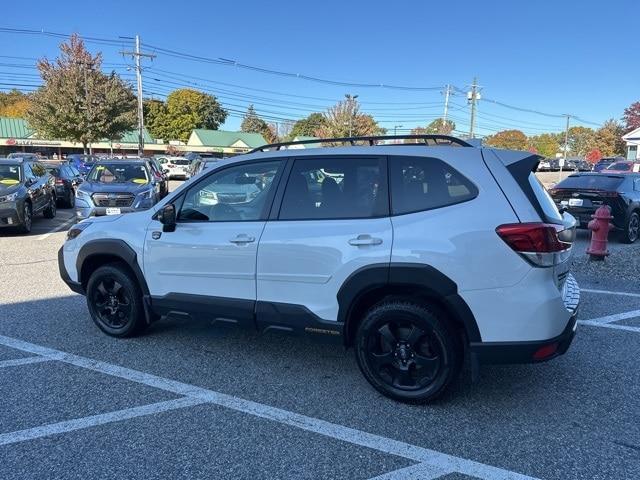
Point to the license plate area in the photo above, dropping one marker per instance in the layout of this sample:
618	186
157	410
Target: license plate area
576	202
112	211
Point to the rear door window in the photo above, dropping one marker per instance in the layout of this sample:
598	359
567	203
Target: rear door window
335	188
423	183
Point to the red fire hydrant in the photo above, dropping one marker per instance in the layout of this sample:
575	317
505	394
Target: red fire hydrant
599	227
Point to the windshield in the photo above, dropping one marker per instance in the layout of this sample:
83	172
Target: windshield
9	175
180	161
119	173
620	166
591	182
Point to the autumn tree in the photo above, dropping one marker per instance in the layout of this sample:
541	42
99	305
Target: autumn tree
545	144
508	139
13	103
184	111
631	117
309	126
441	126
78	102
608	139
593	156
344	119
581	140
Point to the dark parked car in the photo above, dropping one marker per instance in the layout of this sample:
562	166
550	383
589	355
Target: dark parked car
605	162
581	194
114	186
26	189
160	174
82	163
67	178
623	166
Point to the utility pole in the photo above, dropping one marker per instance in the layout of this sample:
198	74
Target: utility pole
447	94
351	99
137	55
473	96
566	148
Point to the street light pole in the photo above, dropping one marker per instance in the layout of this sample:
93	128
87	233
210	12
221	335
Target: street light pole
566	147
350	103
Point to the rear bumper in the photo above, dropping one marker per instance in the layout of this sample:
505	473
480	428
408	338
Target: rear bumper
538	350
74	286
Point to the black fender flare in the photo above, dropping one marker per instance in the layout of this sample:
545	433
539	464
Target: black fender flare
113	248
425	277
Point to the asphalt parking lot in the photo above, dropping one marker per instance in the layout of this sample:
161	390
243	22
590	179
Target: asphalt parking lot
189	400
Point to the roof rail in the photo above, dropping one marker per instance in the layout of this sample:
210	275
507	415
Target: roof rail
430	140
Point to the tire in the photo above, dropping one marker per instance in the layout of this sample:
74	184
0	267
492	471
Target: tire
115	301
631	228
50	211
27	218
408	351
71	201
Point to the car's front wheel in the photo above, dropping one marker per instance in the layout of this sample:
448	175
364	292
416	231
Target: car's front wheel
408	351
631	228
115	301
50	211
27	218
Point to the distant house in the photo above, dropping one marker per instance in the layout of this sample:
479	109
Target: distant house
223	142
633	142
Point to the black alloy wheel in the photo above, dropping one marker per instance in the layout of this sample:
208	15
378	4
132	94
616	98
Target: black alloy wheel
27	218
632	228
115	301
50	211
407	351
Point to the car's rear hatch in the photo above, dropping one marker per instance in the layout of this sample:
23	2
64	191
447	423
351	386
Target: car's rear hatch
582	195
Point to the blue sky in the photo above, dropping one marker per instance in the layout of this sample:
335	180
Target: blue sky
555	57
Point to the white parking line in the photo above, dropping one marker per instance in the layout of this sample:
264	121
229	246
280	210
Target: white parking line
62	226
23	361
93	420
610	325
612	318
421	471
609	292
439	461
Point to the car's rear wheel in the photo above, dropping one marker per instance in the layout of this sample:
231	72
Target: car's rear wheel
631	228
50	211
27	218
115	301
408	351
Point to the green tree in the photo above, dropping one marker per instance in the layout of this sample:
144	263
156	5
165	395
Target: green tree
154	114
309	126
545	144
78	102
251	122
441	126
608	139
185	110
581	140
344	120
509	139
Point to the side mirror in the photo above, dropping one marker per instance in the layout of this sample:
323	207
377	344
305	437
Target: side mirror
167	217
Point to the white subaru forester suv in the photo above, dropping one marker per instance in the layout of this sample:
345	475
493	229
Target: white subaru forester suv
418	255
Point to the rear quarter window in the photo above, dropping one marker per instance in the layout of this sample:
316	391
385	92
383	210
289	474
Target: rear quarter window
544	199
423	183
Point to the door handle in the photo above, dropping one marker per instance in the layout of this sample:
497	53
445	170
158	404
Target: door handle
365	239
242	239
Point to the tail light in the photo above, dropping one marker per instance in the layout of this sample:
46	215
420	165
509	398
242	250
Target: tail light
59	181
538	243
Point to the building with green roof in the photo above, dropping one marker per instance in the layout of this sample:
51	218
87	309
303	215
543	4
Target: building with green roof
225	142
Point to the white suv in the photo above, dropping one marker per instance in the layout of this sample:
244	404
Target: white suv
416	255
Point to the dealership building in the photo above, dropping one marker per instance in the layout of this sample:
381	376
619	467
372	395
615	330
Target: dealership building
16	136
